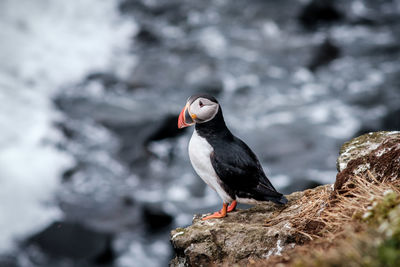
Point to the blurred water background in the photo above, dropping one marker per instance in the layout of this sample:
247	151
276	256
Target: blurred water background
93	171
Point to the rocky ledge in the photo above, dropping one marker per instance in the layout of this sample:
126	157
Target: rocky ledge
270	234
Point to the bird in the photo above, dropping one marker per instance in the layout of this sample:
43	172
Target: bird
223	161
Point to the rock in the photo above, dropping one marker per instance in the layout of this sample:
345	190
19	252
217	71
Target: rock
110	81
8	261
147	36
174	11
324	54
392	121
136	137
377	152
300	185
264	232
65	129
362	145
155	218
107	256
74	241
167	128
68	174
319	12
240	236
132	137
128	6
358	147
128	201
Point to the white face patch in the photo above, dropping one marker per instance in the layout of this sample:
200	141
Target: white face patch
204	109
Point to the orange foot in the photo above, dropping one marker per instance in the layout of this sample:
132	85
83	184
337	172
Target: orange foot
232	206
218	214
222	213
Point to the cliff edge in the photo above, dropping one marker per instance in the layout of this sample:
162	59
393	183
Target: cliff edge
317	220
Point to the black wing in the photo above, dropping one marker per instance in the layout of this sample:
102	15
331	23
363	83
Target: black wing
239	169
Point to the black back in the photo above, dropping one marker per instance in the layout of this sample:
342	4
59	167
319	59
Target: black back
235	164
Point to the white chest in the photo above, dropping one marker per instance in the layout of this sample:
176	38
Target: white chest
199	153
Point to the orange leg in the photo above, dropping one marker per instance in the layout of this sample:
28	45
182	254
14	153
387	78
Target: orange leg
218	214
232	206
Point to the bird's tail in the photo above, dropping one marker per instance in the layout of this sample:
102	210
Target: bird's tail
282	200
270	193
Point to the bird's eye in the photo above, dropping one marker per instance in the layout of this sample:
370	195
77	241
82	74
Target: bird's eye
201	104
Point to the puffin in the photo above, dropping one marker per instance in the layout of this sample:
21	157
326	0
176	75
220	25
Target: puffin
223	161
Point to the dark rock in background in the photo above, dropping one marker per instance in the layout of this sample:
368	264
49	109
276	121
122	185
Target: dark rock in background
128	201
301	185
171	10
132	138
74	241
67	131
147	36
167	128
135	137
319	12
391	122
69	173
8	261
107	256
324	54
156	219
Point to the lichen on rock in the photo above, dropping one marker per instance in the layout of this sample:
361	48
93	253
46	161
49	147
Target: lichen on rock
377	153
361	146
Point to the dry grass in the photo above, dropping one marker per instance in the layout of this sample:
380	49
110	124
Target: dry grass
329	216
353	201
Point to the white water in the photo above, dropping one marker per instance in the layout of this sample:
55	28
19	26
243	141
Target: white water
43	46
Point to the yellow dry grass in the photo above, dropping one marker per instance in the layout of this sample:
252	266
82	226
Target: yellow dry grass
327	216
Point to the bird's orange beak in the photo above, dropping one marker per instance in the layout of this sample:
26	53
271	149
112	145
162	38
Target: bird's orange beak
185	119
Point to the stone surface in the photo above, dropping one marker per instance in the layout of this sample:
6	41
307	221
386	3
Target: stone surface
375	153
155	218
324	54
241	236
74	241
361	146
319	12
